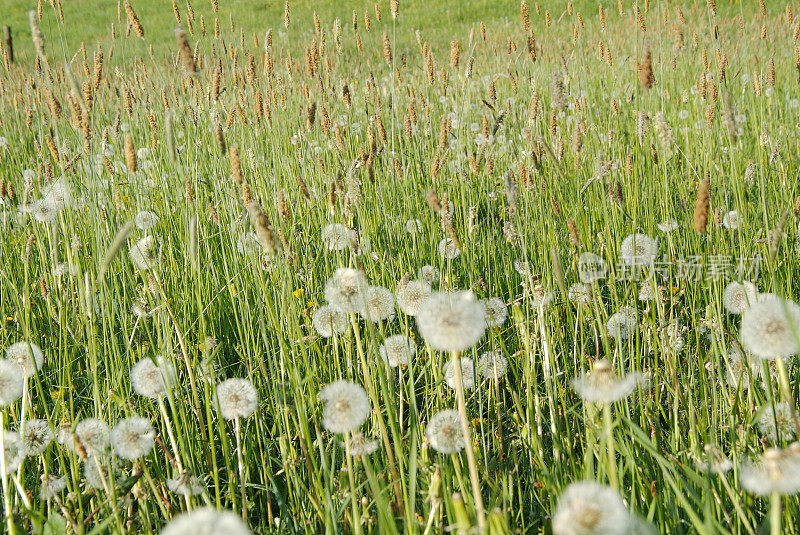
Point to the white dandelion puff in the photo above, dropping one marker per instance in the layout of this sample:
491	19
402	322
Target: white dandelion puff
98	472
451	321
153	379
770	327
328	320
361	446
398	350
28	356
589	508
428	274
622	325
492	364
579	293
11	382
36	436
496	311
776	422
145	220
603	385
411	295
144	253
379	304
346	290
667	226
591	268
738	296
731	220
345	406
336	237
713	460
776	471
13	451
448	249
186	485
638	250
444	432
52	486
92	435
237	398
467	373
206	521
413	226
133	437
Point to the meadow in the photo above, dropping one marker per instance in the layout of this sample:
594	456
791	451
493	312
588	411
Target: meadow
399	267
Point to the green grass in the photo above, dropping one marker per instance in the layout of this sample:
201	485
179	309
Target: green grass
533	435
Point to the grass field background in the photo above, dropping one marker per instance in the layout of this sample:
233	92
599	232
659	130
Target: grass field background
550	142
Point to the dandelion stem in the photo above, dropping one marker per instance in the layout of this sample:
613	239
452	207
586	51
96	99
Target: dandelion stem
352	481
6	498
473	467
787	393
610	447
240	462
775	513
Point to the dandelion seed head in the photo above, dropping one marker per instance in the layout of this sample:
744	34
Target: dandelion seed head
638	250
59	194
144	253
145	220
13	451
589	508
428	274
467	373
738	296
451	321
603	385
345	406
539	296
361	446
444	432
206	521
398	350
731	220
411	295
36	436
186	485
776	424
97	472
153	379
738	368
52	486
328	320
43	211
11	382
492	364
92	435
28	356
647	291
496	311
448	249
346	290
336	237
622	325
133	437
713	460
770	327
668	225
237	398
379	304
776	471
413	226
